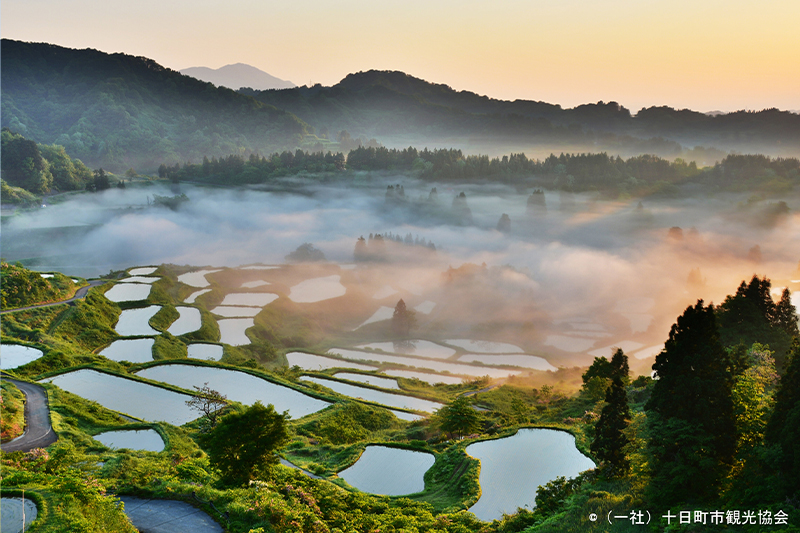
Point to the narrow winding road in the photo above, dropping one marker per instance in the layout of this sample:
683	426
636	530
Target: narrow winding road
38	431
79	294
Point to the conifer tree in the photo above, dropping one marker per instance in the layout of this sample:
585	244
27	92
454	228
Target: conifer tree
783	429
785	315
609	437
690	412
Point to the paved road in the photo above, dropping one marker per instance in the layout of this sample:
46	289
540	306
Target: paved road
167	516
38	431
79	294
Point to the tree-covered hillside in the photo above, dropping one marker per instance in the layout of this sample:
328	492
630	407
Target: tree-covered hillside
120	111
392	105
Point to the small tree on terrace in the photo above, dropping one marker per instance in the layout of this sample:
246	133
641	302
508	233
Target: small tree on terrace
458	417
403	319
209	402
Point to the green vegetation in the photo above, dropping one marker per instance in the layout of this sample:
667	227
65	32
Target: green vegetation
21	287
119	111
242	446
12	405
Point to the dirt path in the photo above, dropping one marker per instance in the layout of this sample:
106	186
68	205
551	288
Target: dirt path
79	294
38	431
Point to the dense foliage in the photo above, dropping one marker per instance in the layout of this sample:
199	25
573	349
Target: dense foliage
120	111
21	287
39	168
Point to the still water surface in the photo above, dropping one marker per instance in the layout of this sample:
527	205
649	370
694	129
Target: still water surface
389	471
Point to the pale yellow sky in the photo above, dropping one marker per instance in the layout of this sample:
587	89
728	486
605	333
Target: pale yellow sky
702	54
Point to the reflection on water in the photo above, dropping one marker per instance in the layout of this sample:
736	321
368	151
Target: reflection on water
389	471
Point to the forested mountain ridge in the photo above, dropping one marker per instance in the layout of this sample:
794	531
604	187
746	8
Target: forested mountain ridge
238	75
121	111
390	103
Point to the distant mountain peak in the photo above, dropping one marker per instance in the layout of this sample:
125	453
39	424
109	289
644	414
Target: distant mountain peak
238	75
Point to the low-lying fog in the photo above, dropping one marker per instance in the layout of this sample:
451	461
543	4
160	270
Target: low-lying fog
586	272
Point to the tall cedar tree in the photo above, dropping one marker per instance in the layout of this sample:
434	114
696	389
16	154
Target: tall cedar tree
403	320
609	437
783	429
690	412
785	316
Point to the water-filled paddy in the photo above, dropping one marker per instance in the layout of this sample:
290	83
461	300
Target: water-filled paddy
384	398
424	376
231	311
14	355
133	350
608	351
569	344
384	292
317	289
209	352
46	276
317	362
260	267
11	514
139	279
134	322
192	297
389	471
410	417
128	292
383	313
484	346
415	347
425	307
232	330
197	278
526	361
254	299
238	386
188	321
375	381
254	284
436	366
133	439
142	271
512	468
133	398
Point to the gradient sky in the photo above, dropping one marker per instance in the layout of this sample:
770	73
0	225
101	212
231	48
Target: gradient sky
698	54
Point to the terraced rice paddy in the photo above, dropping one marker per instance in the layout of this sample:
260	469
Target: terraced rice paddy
133	322
310	361
232	331
15	355
140	400
525	361
375	381
400	401
484	346
425	307
569	344
139	279
436	366
252	299
192	297
208	352
197	278
317	289
132	350
128	292
383	313
389	471
512	468
12	511
231	311
424	376
133	439
142	271
188	321
237	386
254	284
414	347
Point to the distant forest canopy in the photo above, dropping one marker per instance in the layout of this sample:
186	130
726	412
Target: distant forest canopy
397	108
120	111
641	175
38	168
